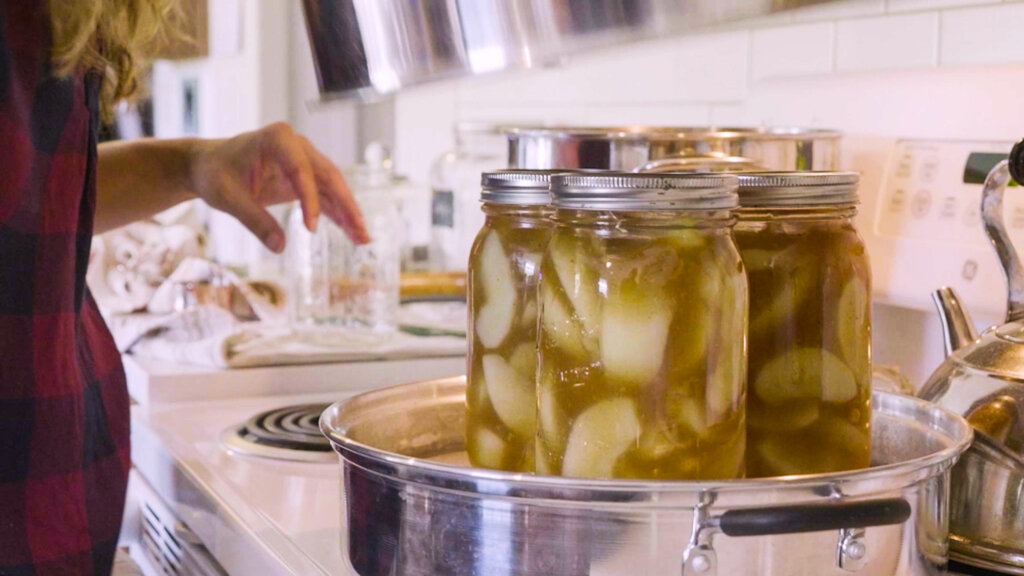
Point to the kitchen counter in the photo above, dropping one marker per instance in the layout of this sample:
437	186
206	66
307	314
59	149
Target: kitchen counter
162	382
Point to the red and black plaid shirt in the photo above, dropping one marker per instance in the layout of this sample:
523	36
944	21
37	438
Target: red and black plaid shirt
64	454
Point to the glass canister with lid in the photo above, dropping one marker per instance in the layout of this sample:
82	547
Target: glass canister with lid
809	393
504	271
454	180
642	347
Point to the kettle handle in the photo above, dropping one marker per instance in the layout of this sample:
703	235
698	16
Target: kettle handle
992	216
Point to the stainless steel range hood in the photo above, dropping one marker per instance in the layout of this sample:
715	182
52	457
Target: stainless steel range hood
374	47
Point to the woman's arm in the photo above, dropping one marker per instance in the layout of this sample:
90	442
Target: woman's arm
137	179
240	176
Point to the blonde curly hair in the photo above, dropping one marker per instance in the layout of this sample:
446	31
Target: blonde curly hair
108	36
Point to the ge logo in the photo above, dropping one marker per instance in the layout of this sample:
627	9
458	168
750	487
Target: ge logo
970	270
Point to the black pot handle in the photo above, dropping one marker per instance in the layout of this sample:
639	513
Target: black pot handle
814	517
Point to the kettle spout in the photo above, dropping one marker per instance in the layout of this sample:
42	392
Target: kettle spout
957	329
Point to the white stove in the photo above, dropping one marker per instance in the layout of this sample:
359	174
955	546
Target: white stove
207	500
244	514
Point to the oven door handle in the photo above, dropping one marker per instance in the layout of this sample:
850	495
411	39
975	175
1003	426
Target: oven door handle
801	518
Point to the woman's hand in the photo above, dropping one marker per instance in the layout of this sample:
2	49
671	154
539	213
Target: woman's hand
244	174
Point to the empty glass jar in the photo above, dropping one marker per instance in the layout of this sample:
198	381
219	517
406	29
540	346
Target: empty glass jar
340	289
809	401
504	272
642	331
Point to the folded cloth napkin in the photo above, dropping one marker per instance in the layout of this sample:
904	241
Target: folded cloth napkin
211	336
127	265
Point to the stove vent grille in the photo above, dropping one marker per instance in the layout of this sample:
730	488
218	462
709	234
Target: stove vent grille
169	548
160	544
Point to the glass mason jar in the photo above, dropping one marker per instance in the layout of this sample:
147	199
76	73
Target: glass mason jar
316	260
809	399
504	272
642	330
455	187
341	290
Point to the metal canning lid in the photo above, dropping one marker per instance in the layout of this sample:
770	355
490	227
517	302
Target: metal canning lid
517	186
794	189
638	192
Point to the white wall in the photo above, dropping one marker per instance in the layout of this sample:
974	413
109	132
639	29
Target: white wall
260	71
231	81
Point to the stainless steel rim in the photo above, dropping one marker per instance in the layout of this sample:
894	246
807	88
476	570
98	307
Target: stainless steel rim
669	133
940	419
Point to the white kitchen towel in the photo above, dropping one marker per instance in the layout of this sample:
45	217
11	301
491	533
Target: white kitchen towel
210	336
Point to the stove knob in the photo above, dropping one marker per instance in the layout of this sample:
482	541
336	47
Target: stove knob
1017	162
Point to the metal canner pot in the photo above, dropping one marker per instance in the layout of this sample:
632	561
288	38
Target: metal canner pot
672	149
411	508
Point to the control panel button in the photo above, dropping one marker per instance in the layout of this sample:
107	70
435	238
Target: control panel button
970	270
898	200
948	210
972	217
929	169
921	204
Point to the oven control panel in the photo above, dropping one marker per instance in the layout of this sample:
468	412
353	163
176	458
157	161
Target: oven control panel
933	191
926	228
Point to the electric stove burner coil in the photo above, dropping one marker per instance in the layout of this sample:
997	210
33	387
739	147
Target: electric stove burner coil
288	433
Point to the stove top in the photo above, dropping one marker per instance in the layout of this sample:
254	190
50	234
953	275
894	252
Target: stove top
256	514
288	433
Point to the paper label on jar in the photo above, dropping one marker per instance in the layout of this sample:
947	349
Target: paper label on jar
442	209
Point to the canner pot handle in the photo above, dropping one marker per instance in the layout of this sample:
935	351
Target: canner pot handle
813	517
848	518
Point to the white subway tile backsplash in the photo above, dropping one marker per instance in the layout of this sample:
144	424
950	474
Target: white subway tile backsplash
423	114
711	67
767	21
918	5
792	50
592	115
652	115
836	10
898	41
987	35
700	68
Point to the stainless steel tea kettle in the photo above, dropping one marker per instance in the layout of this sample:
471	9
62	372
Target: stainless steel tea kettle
982	378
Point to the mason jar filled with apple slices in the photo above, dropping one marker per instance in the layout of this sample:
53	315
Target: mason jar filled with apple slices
642	332
809	387
504	271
